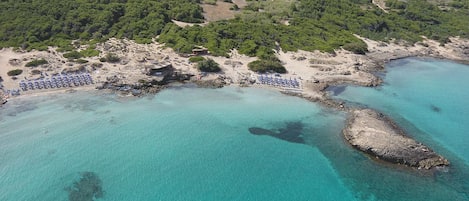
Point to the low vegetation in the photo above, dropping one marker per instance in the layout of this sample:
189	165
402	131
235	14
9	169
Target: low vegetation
14	72
36	72
211	2
73	55
196	59
84	53
81	61
90	52
36	62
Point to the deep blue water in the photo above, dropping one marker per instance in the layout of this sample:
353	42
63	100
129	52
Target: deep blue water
194	144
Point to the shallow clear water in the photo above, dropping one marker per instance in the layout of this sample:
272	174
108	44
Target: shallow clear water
429	94
194	144
428	98
183	144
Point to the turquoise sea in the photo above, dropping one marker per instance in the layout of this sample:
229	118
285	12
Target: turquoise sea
188	143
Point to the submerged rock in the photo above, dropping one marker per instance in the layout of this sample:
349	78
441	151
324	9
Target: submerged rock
291	133
375	134
87	189
261	131
435	108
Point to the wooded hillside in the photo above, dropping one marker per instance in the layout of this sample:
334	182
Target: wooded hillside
34	24
304	24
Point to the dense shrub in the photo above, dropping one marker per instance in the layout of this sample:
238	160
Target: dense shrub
36	62
14	72
81	61
208	65
357	48
89	52
73	55
263	66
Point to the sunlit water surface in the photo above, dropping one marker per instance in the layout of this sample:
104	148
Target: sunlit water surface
194	144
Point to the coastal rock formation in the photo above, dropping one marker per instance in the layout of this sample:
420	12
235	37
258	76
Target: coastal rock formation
213	83
151	85
377	135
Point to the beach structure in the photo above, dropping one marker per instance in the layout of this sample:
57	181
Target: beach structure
159	69
200	51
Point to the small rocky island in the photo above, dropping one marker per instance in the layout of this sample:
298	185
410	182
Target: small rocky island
377	135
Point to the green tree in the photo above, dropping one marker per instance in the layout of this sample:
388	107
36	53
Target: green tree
40	23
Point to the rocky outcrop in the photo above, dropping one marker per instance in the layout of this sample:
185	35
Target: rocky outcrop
377	135
151	85
136	89
213	83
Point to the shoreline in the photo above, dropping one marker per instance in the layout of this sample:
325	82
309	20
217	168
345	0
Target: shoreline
315	70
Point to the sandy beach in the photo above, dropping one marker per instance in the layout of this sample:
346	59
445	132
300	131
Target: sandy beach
315	70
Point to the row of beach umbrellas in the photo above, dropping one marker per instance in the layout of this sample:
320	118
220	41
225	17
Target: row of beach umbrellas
13	92
57	81
278	81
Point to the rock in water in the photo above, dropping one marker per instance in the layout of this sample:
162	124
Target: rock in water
261	131
377	135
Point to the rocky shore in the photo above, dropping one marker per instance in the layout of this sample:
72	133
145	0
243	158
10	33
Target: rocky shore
150	85
378	136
